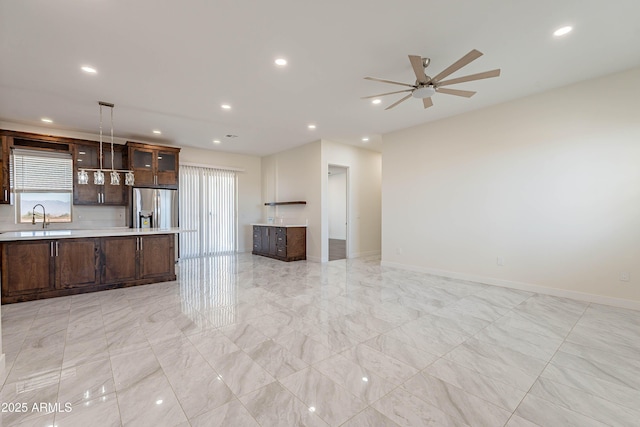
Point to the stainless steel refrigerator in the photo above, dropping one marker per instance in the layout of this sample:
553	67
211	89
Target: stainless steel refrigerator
154	208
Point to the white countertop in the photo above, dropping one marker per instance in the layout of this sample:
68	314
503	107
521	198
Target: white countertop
40	234
279	225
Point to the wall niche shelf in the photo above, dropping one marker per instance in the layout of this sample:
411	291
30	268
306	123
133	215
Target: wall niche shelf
285	203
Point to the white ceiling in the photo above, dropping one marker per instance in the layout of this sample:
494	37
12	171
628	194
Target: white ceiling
169	64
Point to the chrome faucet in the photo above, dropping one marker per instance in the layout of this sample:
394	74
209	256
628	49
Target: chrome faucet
44	216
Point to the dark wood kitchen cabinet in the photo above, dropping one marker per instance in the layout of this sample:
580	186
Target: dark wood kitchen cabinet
32	268
153	165
36	269
27	268
156	256
283	243
76	262
153	256
116	255
4	170
87	155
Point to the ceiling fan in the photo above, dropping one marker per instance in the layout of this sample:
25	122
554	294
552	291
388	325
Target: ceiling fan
426	86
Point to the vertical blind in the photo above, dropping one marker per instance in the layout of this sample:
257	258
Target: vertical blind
208	210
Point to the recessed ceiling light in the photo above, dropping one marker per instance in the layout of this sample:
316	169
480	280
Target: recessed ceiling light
365	139
311	126
376	101
226	106
46	120
157	132
88	69
562	31
216	141
281	62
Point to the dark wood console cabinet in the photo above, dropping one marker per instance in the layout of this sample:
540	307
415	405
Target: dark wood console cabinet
283	243
36	269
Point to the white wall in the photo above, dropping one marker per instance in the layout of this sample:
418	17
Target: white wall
364	204
337	200
549	182
290	176
249	188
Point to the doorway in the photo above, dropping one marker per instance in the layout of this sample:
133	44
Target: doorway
338	197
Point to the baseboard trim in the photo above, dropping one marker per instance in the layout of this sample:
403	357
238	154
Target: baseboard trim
364	254
529	287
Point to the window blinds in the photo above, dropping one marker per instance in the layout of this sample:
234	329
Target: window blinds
41	171
208	208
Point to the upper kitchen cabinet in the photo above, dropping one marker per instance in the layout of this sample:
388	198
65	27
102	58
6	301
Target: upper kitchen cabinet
86	154
4	169
153	165
24	140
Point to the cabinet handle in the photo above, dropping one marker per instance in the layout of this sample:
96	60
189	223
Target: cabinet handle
6	196
98	197
137	243
51	249
140	243
56	248
102	197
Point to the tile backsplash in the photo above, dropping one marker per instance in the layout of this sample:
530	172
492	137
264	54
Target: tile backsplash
83	217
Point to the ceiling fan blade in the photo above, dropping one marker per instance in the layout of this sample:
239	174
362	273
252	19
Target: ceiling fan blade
418	69
388	93
465	93
468	58
471	77
427	102
398	102
388	81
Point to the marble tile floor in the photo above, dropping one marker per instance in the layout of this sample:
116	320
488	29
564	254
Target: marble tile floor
241	340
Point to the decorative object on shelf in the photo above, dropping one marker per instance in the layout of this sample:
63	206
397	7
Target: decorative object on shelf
98	174
285	203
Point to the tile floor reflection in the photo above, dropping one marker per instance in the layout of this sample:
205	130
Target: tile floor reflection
241	340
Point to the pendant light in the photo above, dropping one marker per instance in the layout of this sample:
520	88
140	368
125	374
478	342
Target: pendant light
98	174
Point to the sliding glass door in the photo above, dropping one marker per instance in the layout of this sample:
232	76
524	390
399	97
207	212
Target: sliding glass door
208	211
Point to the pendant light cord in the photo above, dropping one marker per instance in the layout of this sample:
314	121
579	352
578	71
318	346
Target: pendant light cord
100	136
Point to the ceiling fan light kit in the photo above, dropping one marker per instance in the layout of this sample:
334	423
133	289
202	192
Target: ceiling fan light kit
425	87
423	92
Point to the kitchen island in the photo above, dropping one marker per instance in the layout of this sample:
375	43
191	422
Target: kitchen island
50	263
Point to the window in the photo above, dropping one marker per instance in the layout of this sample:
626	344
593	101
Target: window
42	177
208	207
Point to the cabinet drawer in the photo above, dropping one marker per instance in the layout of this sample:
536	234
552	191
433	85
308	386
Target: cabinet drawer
282	251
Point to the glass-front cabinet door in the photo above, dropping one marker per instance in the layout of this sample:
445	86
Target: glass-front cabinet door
142	163
167	172
86	155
